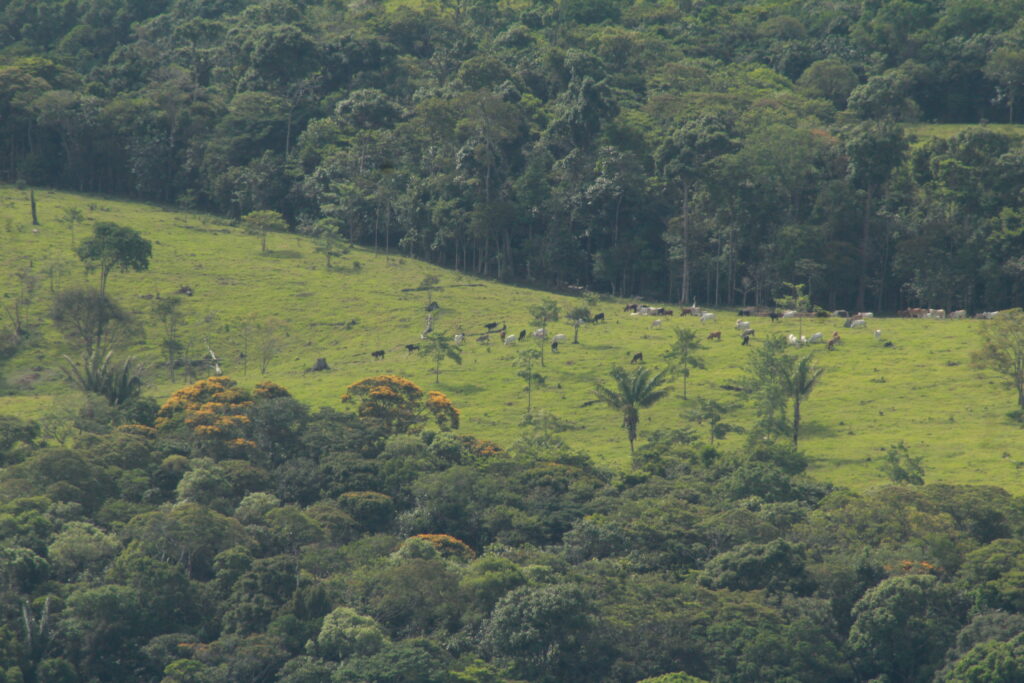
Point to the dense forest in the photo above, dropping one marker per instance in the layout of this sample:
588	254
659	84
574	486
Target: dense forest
235	535
675	149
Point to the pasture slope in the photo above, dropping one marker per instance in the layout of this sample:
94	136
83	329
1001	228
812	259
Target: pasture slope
922	390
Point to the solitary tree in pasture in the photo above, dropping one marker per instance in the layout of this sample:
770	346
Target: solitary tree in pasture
113	246
712	413
577	317
1002	349
544	313
683	354
71	219
633	390
437	346
803	378
260	223
168	313
524	363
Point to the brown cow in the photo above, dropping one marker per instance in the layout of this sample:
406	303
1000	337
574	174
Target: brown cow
717	336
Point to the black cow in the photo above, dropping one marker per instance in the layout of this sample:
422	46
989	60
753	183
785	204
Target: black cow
554	347
522	335
599	318
490	326
637	358
412	347
378	355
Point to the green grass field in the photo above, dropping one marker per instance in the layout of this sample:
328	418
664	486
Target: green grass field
922	391
925	131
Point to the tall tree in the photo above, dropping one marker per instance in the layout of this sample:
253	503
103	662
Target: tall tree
1002	349
113	246
437	346
683	353
802	380
633	391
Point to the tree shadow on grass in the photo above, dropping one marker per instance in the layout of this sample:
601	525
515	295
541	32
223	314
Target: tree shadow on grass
282	253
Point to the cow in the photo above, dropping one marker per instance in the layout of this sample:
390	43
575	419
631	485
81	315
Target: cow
878	334
409	348
831	344
378	354
706	317
857	324
599	318
631	308
510	340
491	326
936	313
746	335
792	340
774	315
540	333
484	339
637	358
816	338
744	312
958	315
742	325
559	338
716	335
789	314
522	335
459	338
841	313
554	347
656	324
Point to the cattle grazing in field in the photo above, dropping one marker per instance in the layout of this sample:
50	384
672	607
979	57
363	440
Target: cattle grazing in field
716	335
841	313
789	314
816	338
831	343
491	326
958	315
631	308
554	347
888	344
858	324
637	358
559	338
774	315
540	333
878	334
656	324
706	317
742	325
793	340
409	348
599	318
522	335
510	340
746	335
378	354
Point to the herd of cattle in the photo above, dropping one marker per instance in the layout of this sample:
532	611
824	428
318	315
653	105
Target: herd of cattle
744	327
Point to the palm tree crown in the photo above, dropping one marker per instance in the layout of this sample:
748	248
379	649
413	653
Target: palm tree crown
633	391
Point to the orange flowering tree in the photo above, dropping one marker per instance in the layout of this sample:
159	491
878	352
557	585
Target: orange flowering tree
213	412
449	546
399	405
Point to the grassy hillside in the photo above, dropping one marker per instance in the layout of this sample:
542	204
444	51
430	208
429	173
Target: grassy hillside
922	390
925	131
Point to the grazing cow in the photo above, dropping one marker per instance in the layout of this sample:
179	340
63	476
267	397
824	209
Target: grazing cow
599	318
878	334
559	338
936	313
841	313
459	338
816	338
510	340
409	348
746	340
667	311
888	344
716	335
789	314
491	326
744	311
631	308
858	324
958	315
378	355
792	340
554	347
656	324
742	325
774	315
637	358
522	335
186	290
540	333
706	317
831	344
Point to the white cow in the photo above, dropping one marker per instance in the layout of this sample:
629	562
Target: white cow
510	340
559	338
540	333
742	325
789	314
792	340
958	315
858	323
459	338
816	338
878	334
656	324
707	317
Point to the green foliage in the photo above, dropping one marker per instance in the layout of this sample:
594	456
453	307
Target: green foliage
901	467
113	246
633	390
97	374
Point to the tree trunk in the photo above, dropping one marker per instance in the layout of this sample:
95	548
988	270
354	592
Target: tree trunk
32	198
796	420
865	237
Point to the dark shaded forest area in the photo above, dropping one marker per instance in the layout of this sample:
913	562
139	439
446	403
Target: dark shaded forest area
235	535
681	150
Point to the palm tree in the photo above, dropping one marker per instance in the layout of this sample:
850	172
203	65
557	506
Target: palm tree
800	382
633	391
437	346
683	353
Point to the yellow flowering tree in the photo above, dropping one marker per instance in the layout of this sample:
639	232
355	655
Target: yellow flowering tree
213	413
398	405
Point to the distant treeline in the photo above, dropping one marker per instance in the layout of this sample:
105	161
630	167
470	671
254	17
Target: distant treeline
679	150
236	535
